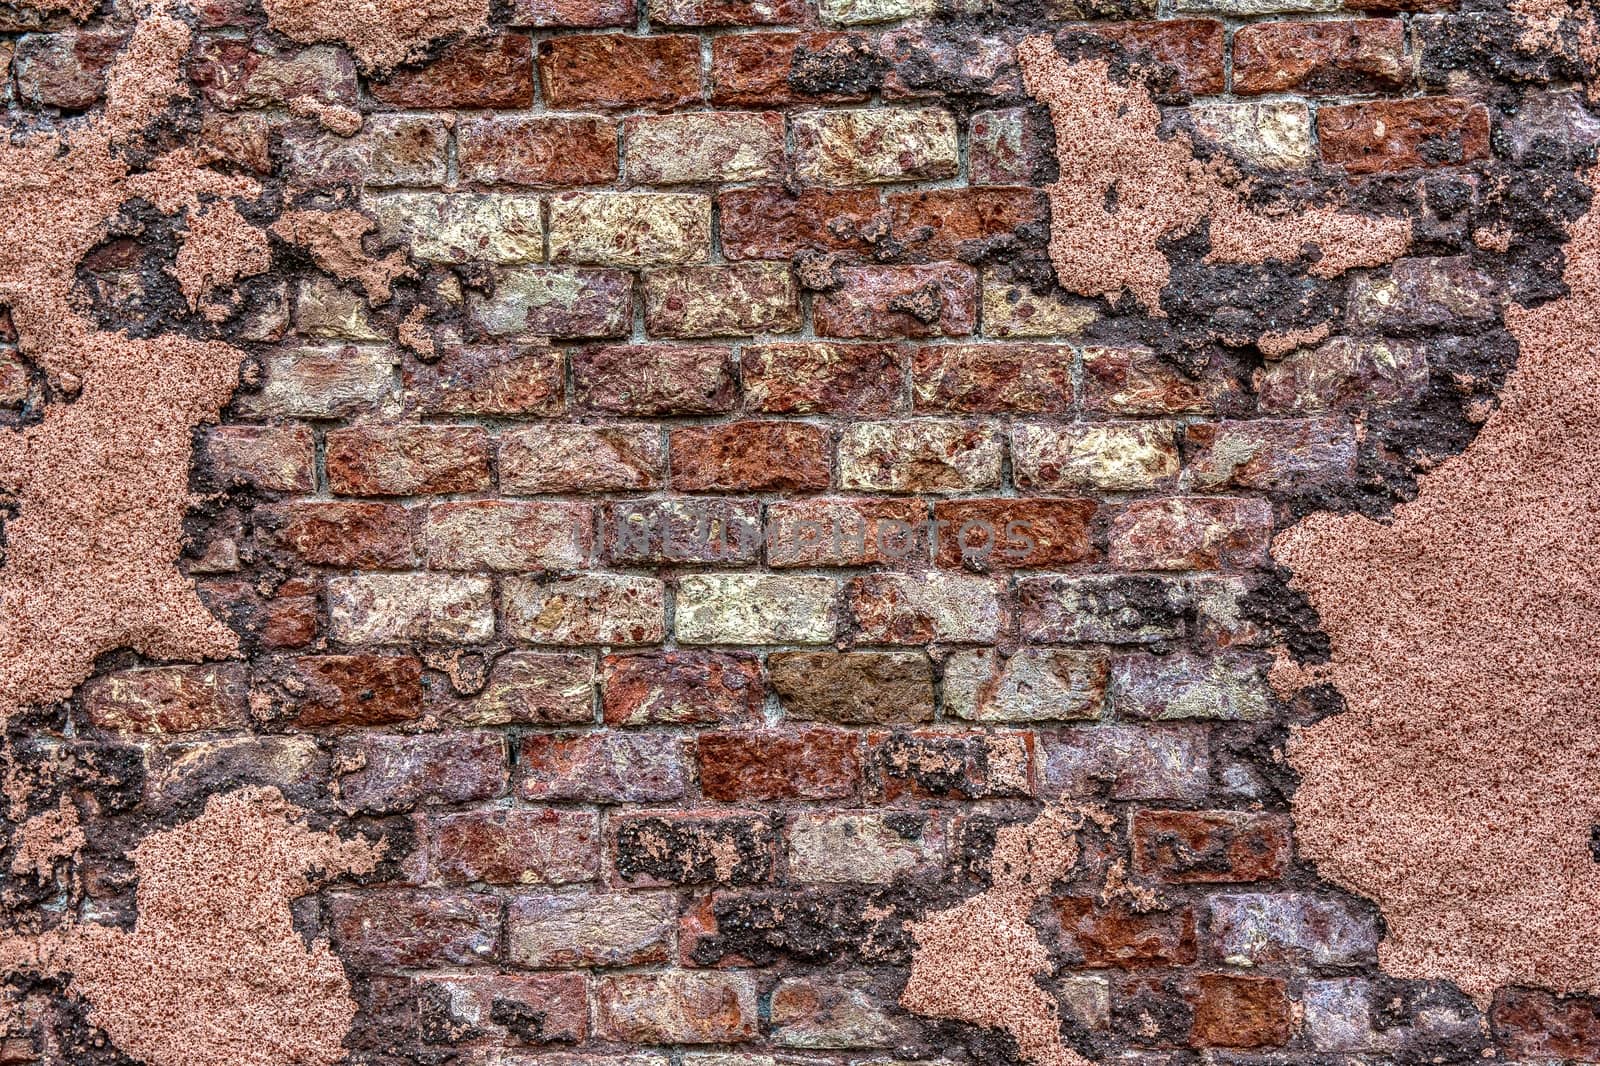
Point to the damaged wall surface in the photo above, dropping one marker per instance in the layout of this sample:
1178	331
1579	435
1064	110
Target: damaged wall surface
798	532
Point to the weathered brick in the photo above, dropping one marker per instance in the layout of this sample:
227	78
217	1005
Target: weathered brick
574	13
1272	134
844	1010
756	609
944	764
1273	454
844	532
1239	1012
1386	135
865	12
1032	685
1424	292
389	773
1106	609
1346	56
1189	847
604	929
853	688
287	618
916	609
1536	1024
814	377
512	379
1001	534
66	69
530	688
964	223
168	699
586	609
726	12
267	458
1344	372
757	766
564	302
603	767
483	72
1115	456
319	382
350	690
1250	8
770	222
1137	381
922	455
649	849
183	775
1014	310
682	688
654	379
460	227
751	457
1192	533
926	63
407	460
880	302
341	533
774	69
502	535
1116	935
548	152
1003	147
613	70
546	1008
1192	48
396	608
869	145
854	847
232	73
574	458
541	846
704	147
1253	929
729	300
630	229
1166	687
682	529
323	309
677	1007
390	150
993	378
415	929
1125	763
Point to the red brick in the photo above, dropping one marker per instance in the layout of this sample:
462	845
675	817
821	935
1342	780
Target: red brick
846	532
614	70
351	690
1386	135
511	379
543	846
168	699
494	72
1190	847
415	929
1238	1012
1192	47
266	458
652	848
390	773
751	457
1534	1024
682	529
654	379
541	1008
1003	534
574	13
1344	56
546	152
769	222
682	688
726	12
1395	6
508	536
816	377
1116	935
1137	381
993	378
761	766
285	619
677	1007
602	767
880	302
407	460
1191	533
340	533
761	68
963	223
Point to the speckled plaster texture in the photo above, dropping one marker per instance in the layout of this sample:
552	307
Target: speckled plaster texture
1124	189
1459	787
380	33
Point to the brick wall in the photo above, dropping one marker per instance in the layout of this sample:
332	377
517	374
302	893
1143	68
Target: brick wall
767	529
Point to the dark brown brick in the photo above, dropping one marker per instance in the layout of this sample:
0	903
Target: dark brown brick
771	68
505	380
726	12
351	690
1535	1024
853	688
1193	48
654	379
574	13
1238	1012
652	848
341	533
1118	936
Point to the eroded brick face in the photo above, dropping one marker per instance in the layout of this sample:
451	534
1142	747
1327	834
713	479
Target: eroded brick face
728	527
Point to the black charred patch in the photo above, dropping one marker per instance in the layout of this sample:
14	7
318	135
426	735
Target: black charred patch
689	853
845	66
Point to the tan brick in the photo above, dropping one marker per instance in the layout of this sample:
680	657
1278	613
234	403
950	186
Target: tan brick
730	300
1192	533
1032	685
563	302
704	147
320	382
846	532
756	609
545	1007
1011	309
869	145
817	377
390	150
461	227
630	229
1274	135
919	455
530	688
1113	456
921	608
854	847
326	310
1279	454
501	535
678	1007
535	460
606	929
395	608
585	609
